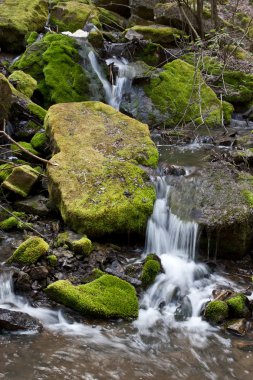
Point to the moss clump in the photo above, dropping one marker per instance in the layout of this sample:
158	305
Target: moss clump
29	251
23	82
54	63
216	311
160	35
37	111
17	151
103	190
21	180
31	38
105	297
195	102
237	306
63	239
39	141
13	222
83	246
18	18
150	270
52	260
5	171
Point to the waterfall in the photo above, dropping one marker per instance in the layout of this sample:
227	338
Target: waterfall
179	293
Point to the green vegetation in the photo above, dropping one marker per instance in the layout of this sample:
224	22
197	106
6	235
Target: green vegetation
237	305
13	222
39	141
54	63
216	311
161	35
23	83
105	297
150	270
83	246
21	180
52	259
29	251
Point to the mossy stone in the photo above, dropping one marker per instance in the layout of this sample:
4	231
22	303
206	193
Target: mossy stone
23	82
5	171
29	251
21	153
83	246
163	35
39	141
194	102
150	270
21	180
100	185
13	222
52	259
216	311
31	38
237	306
18	18
105	297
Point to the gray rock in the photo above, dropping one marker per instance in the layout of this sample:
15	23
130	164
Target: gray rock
11	320
38	273
237	326
36	205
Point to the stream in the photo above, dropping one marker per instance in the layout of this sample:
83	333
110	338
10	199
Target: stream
169	340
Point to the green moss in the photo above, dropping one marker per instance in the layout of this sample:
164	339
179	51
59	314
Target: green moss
13	222
150	53
18	18
37	111
195	102
83	246
150	270
237	305
248	195
16	150
52	259
31	38
21	180
29	251
216	311
54	63
39	141
241	86
23	82
103	190
5	171
161	35
105	297
63	239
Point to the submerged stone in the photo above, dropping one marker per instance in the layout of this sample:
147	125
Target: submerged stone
11	320
100	185
21	180
105	297
29	251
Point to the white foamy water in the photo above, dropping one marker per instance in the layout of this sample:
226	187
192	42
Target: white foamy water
178	294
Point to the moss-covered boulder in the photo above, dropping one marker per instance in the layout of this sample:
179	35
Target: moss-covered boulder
39	141
216	311
237	306
54	63
100	185
150	270
163	35
180	92
19	18
23	82
21	180
29	251
82	246
105	297
71	15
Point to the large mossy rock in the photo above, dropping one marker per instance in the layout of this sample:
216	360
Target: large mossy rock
100	185
180	92
17	18
105	297
54	63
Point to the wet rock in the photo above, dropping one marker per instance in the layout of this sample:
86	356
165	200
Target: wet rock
38	273
22	281
237	326
184	311
11	320
37	205
172	170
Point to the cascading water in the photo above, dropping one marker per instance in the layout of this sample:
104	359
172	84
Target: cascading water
179	293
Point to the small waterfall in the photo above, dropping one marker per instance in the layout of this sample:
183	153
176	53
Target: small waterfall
114	92
179	293
6	287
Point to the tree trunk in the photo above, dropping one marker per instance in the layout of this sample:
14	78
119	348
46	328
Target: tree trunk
200	17
214	13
